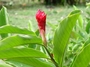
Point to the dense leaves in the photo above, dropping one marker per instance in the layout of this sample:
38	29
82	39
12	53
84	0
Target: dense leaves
24	48
82	59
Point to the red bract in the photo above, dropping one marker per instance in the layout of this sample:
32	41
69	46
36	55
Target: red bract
41	19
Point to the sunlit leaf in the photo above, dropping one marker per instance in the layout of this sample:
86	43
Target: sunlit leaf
17	40
34	62
21	52
15	30
62	34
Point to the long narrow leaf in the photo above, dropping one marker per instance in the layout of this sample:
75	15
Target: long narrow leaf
17	40
34	62
62	34
21	52
12	29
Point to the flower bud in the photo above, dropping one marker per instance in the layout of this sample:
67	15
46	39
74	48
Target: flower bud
41	19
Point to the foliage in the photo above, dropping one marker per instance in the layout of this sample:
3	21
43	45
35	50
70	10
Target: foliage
66	48
4	21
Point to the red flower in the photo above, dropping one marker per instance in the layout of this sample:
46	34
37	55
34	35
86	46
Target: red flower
41	19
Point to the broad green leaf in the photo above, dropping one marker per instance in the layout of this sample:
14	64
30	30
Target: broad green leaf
3	19
15	30
83	58
17	40
21	52
62	34
34	62
32	45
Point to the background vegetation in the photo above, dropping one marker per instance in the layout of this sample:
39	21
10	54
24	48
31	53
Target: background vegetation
68	30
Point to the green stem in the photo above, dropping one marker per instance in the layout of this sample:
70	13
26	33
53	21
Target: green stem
51	57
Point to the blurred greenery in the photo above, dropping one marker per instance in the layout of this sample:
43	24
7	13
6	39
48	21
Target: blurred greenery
22	16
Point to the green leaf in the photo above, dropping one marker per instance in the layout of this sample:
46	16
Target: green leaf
21	52
83	58
3	19
87	41
17	40
80	19
30	26
62	34
17	64
12	29
88	26
34	62
37	32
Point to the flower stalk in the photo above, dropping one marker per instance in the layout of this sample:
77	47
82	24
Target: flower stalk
52	59
41	19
